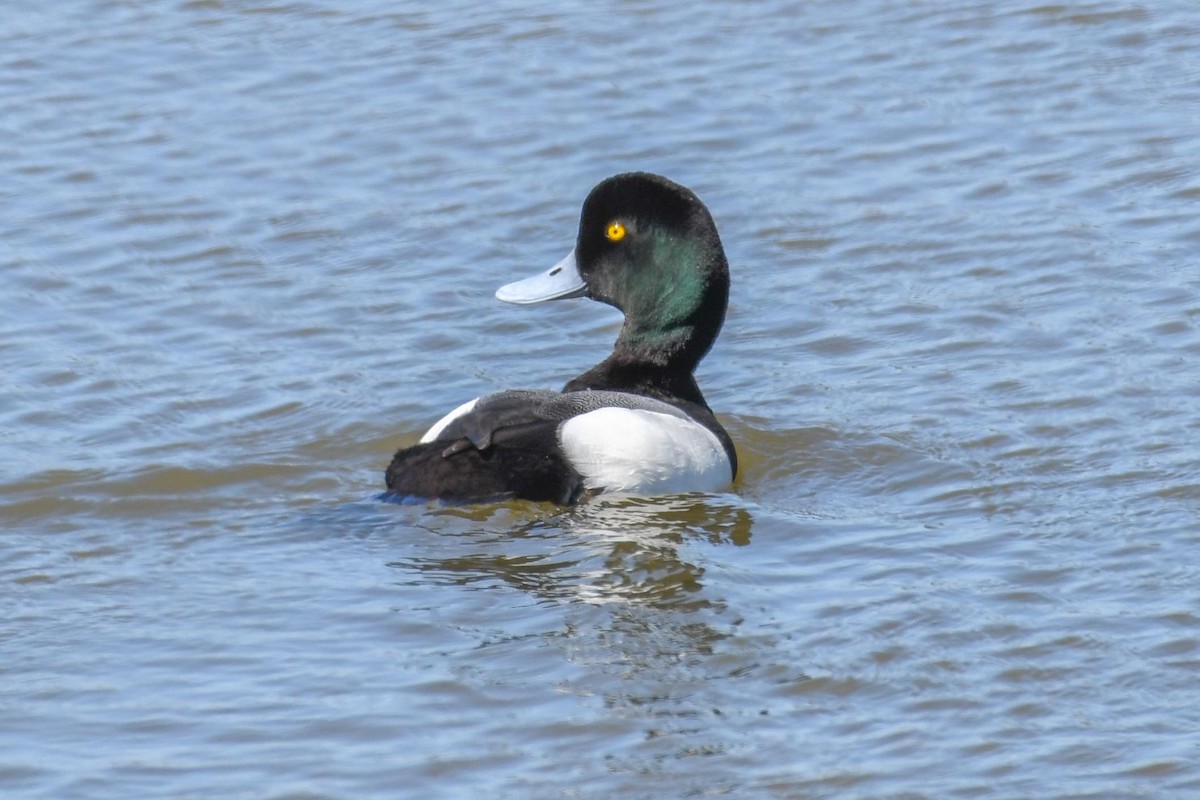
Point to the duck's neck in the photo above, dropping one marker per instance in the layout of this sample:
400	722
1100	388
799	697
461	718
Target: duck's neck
656	363
672	317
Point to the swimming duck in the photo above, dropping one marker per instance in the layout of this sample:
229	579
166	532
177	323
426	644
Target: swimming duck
634	423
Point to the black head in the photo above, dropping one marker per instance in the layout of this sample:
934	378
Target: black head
649	247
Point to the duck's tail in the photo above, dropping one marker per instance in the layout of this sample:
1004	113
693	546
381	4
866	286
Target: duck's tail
439	470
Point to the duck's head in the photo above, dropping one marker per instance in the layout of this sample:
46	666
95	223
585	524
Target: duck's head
649	247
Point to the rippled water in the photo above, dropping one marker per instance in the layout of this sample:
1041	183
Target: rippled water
248	250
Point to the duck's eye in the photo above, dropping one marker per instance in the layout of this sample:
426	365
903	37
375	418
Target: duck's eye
615	231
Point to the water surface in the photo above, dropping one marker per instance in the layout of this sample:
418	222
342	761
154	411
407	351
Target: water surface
247	250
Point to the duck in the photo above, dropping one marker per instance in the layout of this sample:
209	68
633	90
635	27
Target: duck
637	422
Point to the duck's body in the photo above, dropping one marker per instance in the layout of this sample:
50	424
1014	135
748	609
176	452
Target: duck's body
636	422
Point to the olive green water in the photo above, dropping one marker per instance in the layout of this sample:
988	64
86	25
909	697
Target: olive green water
248	250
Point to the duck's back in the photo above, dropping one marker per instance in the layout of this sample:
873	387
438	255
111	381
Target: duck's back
543	445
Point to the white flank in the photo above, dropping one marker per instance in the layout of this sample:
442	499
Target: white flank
441	424
644	452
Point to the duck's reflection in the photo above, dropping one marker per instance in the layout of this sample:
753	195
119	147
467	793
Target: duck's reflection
643	633
611	550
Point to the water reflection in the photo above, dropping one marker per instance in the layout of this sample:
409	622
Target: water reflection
627	616
610	550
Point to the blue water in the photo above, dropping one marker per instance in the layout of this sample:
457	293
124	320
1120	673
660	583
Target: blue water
249	250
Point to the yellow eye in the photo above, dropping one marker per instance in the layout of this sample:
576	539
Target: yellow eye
615	231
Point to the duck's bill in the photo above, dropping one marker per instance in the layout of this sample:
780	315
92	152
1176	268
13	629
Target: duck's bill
558	283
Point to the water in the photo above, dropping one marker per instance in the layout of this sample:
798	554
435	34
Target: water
247	250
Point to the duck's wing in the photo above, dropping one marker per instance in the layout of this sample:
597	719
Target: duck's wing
515	416
496	419
495	447
505	445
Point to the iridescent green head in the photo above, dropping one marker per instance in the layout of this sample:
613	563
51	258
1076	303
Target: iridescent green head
649	247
